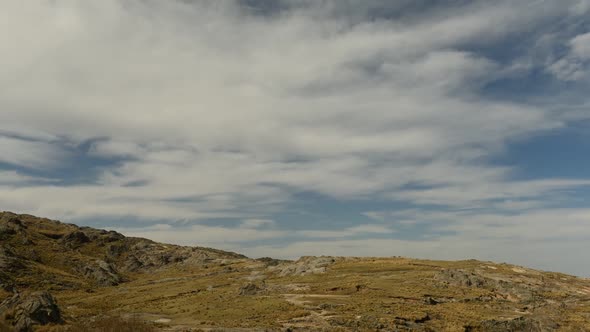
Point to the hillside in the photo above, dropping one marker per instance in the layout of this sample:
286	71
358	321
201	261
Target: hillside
61	277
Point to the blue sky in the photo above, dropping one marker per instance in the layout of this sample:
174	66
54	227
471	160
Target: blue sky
432	129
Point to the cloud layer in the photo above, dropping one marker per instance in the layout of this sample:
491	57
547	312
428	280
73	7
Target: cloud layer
186	112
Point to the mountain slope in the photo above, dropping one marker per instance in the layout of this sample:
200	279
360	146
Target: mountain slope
82	277
45	253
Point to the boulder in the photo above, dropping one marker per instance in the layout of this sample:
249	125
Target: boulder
25	312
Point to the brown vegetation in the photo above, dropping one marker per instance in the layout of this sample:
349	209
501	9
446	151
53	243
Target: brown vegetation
182	289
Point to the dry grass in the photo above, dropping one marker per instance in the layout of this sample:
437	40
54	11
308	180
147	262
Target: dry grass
380	291
356	294
4	327
108	324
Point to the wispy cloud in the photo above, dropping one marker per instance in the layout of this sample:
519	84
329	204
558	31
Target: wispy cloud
31	154
575	65
202	111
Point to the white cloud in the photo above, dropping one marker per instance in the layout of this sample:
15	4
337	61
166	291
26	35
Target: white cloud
574	66
202	235
363	107
112	148
580	7
581	46
31	154
473	194
216	111
363	229
13	178
257	223
548	255
552	239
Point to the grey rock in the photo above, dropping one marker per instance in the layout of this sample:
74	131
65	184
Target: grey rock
10	224
75	239
39	308
8	260
304	265
521	291
103	273
250	289
463	278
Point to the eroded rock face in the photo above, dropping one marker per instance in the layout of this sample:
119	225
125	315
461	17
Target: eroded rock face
103	273
75	239
25	312
8	260
147	255
40	241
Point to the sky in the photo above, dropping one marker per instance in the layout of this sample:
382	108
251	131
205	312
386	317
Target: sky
432	129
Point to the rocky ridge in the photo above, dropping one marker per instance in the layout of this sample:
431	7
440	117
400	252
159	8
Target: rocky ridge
60	277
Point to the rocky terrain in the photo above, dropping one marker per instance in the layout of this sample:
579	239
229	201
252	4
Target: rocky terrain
61	277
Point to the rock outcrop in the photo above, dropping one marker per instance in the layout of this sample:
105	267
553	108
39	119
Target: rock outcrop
512	290
23	312
75	239
43	252
454	277
10	224
250	289
303	266
177	288
8	260
102	272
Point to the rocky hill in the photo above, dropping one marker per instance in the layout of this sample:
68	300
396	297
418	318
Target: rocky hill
61	277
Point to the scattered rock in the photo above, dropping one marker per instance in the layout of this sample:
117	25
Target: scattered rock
328	306
250	289
462	278
511	290
520	324
431	301
412	324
